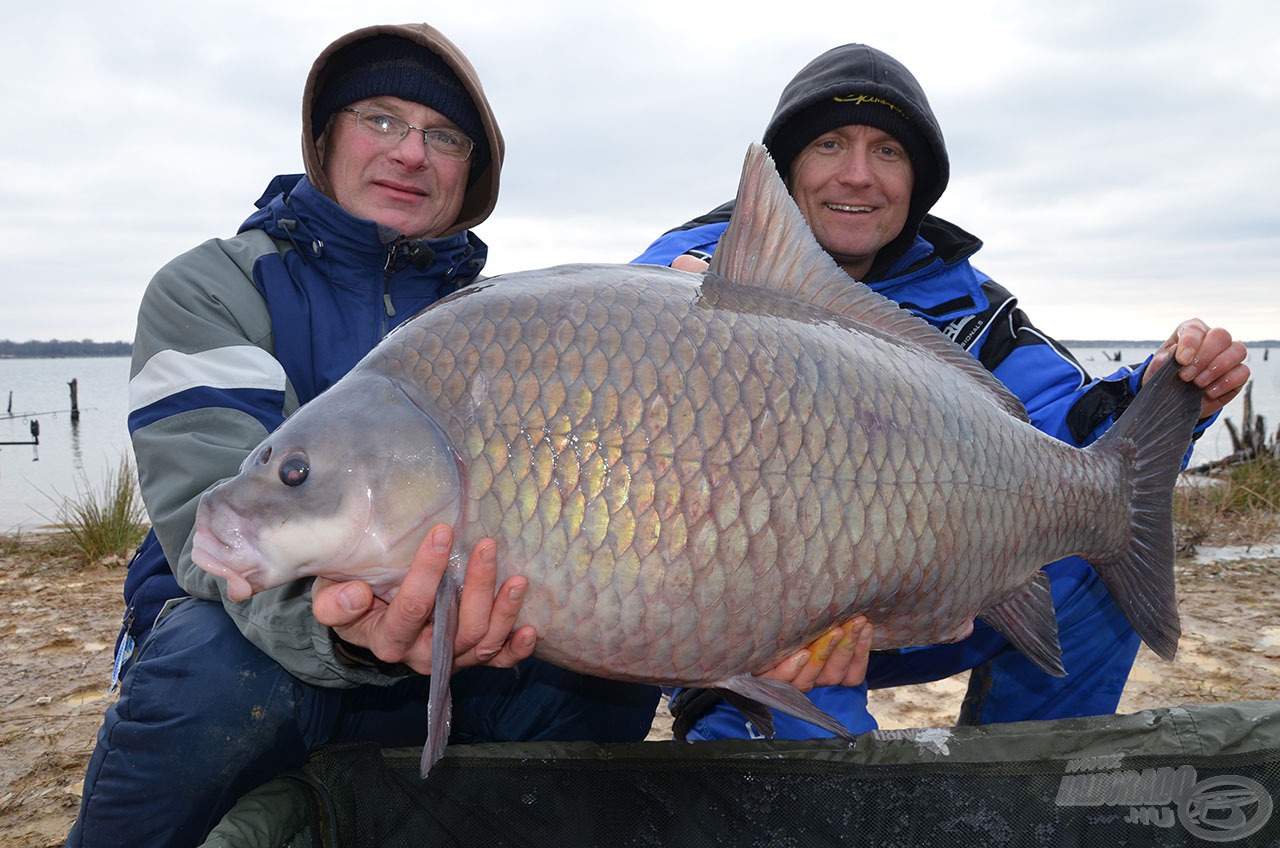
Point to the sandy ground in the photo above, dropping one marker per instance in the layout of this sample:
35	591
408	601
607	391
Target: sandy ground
58	622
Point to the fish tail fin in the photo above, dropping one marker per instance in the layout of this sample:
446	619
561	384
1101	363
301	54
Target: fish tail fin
439	698
1152	435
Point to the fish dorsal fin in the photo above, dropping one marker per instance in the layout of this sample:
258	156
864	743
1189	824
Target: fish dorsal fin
768	245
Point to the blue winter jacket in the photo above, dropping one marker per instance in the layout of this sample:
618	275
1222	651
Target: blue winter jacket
233	337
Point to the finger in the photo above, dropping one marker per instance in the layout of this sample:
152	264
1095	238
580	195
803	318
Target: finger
477	596
337	604
692	264
861	637
1158	360
502	620
1218	356
820	654
789	669
407	617
517	648
1224	390
1201	351
1189	338
842	661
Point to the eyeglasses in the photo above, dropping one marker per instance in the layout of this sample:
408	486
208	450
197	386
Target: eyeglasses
390	130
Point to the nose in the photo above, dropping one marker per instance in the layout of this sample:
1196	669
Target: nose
411	152
855	168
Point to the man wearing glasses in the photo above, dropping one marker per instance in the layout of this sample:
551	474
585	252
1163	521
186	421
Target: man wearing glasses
402	156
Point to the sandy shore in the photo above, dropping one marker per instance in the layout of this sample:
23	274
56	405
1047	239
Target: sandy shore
59	622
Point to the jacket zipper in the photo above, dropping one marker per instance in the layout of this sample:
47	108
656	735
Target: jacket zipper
388	310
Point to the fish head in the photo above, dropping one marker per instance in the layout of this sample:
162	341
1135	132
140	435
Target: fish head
345	488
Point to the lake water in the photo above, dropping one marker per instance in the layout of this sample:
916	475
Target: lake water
74	457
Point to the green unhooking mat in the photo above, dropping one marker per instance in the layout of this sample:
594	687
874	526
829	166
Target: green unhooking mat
1186	776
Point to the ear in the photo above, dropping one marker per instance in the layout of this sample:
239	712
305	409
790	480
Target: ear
323	142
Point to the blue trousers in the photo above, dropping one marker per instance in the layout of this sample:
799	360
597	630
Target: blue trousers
1098	650
204	716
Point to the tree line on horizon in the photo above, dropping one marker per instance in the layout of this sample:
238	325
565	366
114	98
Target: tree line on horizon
57	348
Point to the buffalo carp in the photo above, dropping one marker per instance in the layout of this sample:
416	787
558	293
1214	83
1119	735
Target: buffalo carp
699	474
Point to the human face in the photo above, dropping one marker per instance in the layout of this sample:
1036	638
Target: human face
853	186
403	186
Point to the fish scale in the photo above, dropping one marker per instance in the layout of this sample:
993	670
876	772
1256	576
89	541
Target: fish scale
699	474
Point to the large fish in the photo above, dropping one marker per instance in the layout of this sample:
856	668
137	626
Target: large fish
698	474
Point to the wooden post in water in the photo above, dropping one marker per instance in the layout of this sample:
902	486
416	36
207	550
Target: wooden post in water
75	400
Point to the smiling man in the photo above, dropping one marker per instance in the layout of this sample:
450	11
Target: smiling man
402	156
862	154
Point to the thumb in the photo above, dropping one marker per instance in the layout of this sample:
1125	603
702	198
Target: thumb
340	604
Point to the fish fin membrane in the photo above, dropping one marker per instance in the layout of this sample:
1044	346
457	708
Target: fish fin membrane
753	696
768	245
439	698
1152	435
1029	622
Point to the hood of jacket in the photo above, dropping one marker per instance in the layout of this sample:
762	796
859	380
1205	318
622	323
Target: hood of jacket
482	191
859	69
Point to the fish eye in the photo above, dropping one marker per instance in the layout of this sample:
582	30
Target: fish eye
294	470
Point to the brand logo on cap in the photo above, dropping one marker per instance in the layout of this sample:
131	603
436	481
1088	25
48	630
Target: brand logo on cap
867	100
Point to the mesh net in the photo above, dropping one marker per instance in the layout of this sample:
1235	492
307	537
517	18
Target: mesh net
1183	776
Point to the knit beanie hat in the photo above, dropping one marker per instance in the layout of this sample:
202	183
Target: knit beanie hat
845	110
386	65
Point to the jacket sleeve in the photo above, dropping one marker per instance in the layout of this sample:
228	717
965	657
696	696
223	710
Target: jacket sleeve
204	391
1060	397
701	239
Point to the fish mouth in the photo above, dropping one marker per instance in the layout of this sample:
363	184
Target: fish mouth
209	553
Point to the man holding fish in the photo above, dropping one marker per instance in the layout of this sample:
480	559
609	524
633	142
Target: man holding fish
402	155
856	142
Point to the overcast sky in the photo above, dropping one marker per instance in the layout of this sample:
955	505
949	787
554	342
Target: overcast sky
1119	158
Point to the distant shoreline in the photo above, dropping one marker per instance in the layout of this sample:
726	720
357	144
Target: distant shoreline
58	349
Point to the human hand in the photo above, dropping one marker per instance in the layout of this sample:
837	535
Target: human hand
836	658
401	631
1209	358
692	264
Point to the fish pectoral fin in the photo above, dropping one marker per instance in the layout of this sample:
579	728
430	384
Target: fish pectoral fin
439	699
1029	622
753	696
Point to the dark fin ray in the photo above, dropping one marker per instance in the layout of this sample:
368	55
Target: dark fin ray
1153	435
768	245
761	692
760	716
439	699
1030	623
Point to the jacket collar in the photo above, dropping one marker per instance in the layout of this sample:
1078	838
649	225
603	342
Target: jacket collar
934	276
356	251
